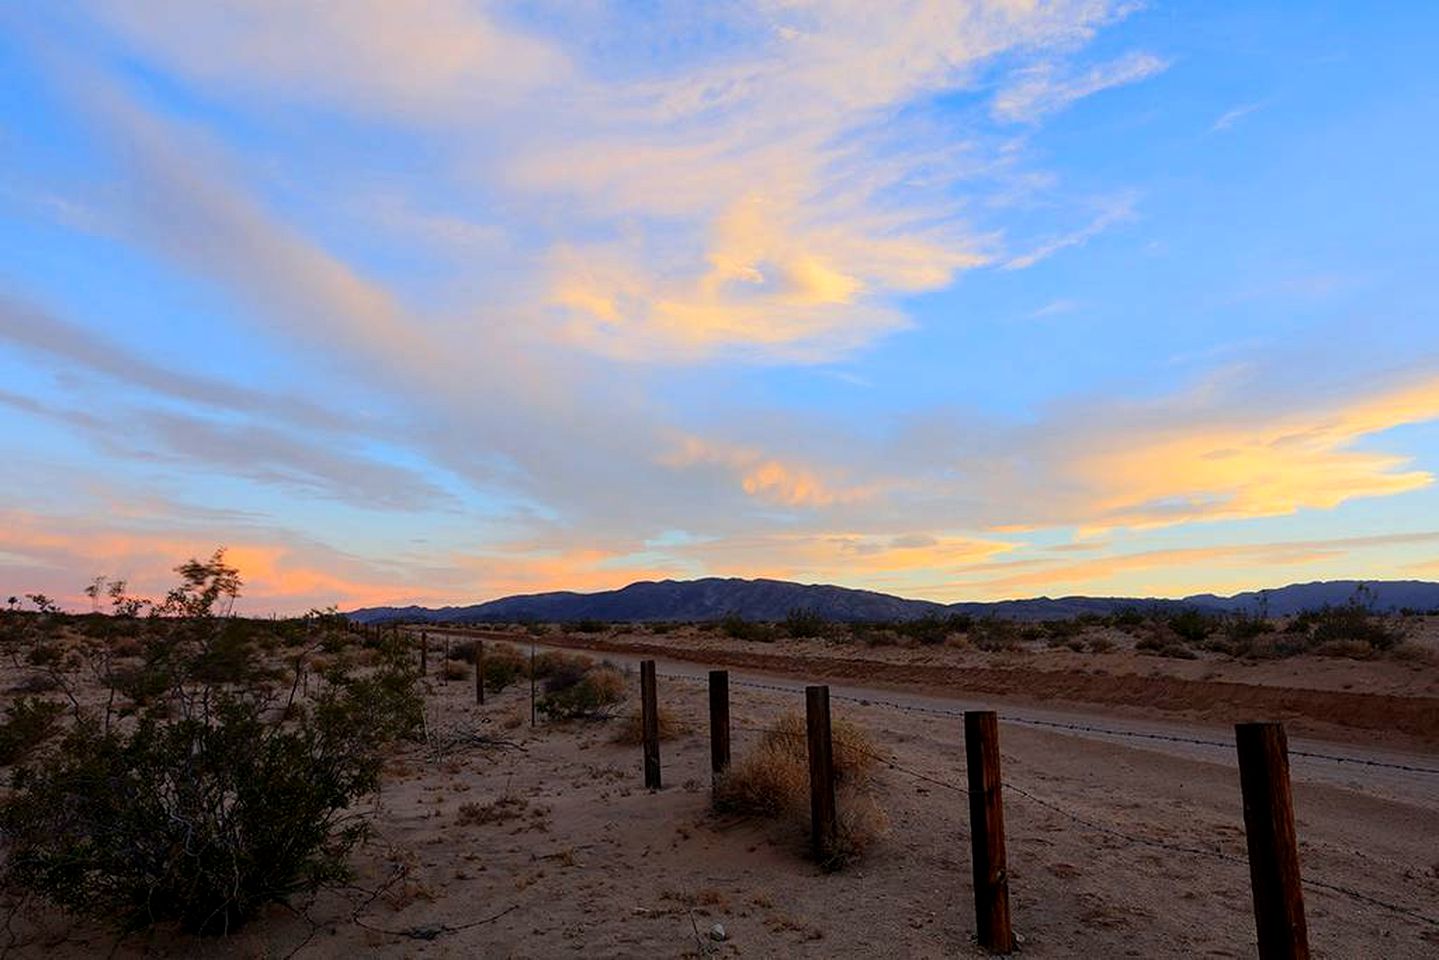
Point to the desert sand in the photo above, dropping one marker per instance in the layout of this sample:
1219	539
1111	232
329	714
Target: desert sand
496	839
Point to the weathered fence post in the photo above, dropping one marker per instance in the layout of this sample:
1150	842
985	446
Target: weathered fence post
823	821
650	724
986	831
445	663
1273	850
532	683
480	672
719	721
424	653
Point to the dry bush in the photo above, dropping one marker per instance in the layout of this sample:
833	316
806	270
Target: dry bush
455	670
631	728
506	807
591	693
772	780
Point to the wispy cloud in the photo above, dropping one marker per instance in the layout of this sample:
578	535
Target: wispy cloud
1227	119
1045	89
1121	211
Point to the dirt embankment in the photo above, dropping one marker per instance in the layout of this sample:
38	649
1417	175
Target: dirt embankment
1409	721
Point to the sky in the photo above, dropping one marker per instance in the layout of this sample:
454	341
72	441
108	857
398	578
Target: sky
439	302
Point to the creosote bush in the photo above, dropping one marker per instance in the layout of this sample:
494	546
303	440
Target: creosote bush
590	693
28	723
207	795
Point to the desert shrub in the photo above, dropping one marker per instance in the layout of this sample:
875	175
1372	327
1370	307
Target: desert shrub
995	634
213	802
589	625
772	780
735	626
455	670
592	692
557	663
663	627
28	723
504	665
1353	623
1126	618
1163	643
929	629
1059	632
1100	644
630	730
801	623
37	683
200	820
45	655
1192	626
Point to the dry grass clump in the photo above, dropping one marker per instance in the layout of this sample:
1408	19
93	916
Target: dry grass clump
631	728
506	807
772	780
455	670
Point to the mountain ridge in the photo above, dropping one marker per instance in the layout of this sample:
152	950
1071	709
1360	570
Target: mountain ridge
711	598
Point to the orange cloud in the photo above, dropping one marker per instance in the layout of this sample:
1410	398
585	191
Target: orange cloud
766	478
1176	571
1252	467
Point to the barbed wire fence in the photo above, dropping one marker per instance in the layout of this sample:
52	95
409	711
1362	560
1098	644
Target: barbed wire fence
1014	788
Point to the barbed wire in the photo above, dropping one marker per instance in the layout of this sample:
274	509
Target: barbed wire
1134	839
1083	727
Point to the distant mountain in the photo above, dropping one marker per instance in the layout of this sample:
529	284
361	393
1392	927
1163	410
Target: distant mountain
712	598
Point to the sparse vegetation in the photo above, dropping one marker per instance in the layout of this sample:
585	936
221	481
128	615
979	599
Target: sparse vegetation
219	793
772	780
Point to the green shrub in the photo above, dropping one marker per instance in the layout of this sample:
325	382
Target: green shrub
995	634
28	723
504	665
589	694
1193	626
800	624
736	626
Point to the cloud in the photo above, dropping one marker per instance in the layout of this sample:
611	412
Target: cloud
1239	465
1256	561
1044	90
414	60
1226	120
772	205
764	477
1120	212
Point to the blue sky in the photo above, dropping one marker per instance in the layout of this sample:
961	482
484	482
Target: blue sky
442	302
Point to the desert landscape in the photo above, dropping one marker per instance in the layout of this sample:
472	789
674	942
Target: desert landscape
629	479
490	836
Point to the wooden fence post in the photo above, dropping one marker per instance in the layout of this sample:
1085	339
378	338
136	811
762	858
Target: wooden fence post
650	724
532	683
480	672
1273	849
822	819
445	663
986	831
424	653
719	721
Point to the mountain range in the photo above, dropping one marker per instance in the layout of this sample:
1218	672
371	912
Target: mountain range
712	598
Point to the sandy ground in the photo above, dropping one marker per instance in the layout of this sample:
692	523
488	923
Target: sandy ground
1336	699
593	865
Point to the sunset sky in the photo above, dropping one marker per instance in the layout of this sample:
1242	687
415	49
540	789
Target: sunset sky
437	302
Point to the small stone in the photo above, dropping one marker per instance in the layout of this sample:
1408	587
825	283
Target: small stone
717	933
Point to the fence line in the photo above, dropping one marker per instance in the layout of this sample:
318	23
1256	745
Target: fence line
1026	794
1077	727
